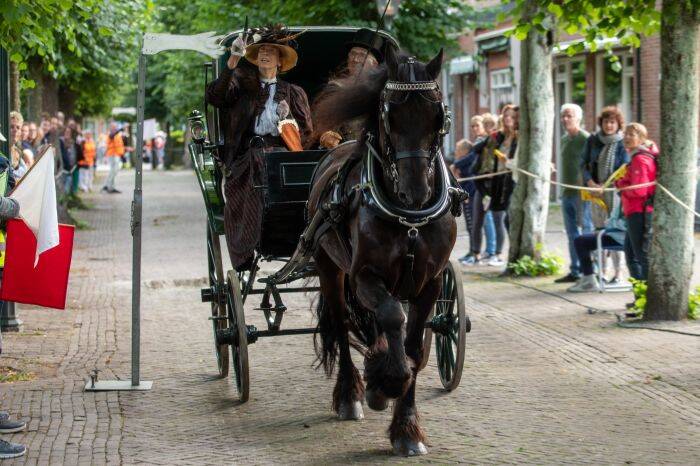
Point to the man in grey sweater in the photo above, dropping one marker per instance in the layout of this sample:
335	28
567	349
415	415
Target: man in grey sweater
573	209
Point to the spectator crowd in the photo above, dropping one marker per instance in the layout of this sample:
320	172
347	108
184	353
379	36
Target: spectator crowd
79	151
615	156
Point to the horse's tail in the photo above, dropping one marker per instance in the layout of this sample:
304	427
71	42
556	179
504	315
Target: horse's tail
361	322
325	337
361	325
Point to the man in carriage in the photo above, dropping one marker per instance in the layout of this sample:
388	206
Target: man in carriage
253	102
364	52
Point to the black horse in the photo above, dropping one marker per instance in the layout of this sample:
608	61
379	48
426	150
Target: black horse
377	256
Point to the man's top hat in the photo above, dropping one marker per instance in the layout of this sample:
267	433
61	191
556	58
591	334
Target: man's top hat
367	39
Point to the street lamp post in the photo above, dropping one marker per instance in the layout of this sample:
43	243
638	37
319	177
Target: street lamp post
392	11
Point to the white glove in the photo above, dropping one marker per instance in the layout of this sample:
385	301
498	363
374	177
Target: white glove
238	46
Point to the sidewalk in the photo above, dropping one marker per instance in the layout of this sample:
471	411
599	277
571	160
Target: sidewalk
545	382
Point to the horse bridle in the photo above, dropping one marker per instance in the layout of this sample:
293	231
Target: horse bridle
393	155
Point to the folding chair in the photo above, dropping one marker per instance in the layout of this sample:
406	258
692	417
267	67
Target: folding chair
599	251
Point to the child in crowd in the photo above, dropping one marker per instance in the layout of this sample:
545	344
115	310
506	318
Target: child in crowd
460	169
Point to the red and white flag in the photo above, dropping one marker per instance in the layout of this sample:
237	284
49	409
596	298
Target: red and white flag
36	195
38	250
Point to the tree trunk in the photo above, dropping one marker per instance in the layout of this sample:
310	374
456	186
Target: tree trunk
50	96
530	200
671	255
35	96
66	100
15	104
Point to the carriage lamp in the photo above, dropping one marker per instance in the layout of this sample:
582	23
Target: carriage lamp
197	129
392	11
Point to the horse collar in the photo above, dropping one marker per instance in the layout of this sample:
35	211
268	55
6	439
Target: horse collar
375	199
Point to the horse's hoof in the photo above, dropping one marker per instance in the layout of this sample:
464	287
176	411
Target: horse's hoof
376	400
408	447
350	411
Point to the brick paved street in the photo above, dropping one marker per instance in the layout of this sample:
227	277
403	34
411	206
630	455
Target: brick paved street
545	382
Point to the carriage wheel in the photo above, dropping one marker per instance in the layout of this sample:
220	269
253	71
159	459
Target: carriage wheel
239	347
450	325
218	310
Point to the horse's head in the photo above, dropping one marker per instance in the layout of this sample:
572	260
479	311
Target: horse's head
412	122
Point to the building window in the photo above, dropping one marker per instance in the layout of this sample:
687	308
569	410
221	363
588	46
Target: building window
578	83
501	89
615	84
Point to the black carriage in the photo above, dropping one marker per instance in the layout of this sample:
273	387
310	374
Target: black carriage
287	178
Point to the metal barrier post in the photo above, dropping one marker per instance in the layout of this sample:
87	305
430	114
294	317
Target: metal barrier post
207	43
136	215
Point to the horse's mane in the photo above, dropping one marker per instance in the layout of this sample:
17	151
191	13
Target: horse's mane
347	98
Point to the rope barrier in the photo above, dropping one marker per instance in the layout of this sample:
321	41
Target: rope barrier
586	188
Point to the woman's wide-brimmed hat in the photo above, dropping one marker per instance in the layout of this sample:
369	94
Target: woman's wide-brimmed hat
277	36
368	39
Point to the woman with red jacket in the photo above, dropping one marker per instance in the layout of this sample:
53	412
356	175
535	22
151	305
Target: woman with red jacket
637	202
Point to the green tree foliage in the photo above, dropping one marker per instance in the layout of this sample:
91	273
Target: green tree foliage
99	67
176	79
594	20
39	28
87	45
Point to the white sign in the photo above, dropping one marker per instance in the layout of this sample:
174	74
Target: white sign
124	111
206	43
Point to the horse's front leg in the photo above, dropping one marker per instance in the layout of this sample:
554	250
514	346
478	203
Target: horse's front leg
387	370
407	436
349	390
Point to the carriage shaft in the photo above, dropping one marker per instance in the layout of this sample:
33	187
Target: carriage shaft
287	290
290	331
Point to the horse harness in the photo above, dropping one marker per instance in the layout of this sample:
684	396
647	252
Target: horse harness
333	210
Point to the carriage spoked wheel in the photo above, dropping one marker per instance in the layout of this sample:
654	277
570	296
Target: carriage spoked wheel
218	307
239	334
450	325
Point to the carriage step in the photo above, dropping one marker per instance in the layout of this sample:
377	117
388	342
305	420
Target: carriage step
218	318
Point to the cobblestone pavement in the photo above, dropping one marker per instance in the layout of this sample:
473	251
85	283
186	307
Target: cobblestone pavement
545	382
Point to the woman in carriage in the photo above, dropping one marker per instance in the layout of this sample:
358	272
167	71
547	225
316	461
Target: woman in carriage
254	102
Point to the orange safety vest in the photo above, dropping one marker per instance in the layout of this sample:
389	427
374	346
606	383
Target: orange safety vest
115	146
89	151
